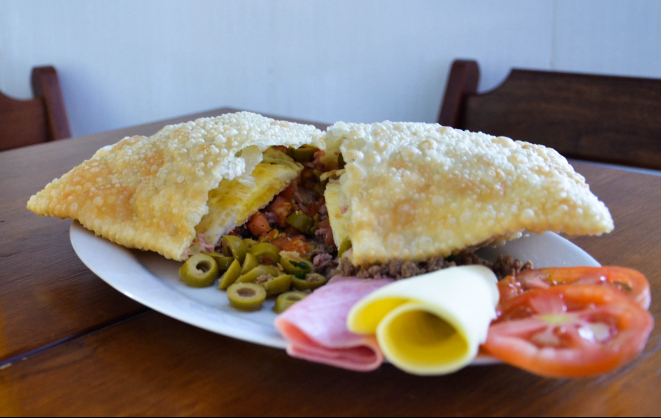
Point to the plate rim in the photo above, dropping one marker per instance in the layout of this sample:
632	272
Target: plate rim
232	332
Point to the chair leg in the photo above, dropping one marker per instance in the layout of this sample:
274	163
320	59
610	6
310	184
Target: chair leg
463	80
46	86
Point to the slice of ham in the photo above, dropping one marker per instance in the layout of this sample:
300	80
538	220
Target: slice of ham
316	327
207	247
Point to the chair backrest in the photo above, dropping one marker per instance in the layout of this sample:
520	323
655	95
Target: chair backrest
589	117
42	119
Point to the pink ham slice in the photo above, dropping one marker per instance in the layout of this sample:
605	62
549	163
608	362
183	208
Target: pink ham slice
316	327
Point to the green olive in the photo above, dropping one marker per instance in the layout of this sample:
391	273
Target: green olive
303	154
266	253
293	267
317	219
344	247
223	262
200	270
230	276
286	300
276	285
235	247
249	243
300	221
311	282
249	263
257	272
246	296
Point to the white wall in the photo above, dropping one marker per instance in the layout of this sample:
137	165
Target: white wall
126	62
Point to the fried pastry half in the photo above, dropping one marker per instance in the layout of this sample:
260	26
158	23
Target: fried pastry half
151	193
414	191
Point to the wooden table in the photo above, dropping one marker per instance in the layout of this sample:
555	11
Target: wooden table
70	344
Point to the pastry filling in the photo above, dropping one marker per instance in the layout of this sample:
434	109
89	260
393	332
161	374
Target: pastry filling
297	220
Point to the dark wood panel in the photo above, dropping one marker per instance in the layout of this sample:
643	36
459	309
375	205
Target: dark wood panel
596	118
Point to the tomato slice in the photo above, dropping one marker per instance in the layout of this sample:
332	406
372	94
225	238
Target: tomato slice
630	282
569	331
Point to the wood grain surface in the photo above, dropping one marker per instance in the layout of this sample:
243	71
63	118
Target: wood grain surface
71	345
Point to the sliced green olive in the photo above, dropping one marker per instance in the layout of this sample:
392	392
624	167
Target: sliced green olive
303	154
286	300
257	272
300	221
344	247
246	296
249	243
266	253
223	262
230	276
293	267
249	263
276	285
235	247
311	282
200	270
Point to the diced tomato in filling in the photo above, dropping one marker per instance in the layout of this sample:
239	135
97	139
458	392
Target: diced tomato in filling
281	208
304	194
258	224
311	209
289	191
326	232
296	243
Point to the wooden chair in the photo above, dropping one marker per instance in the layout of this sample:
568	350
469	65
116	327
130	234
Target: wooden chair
597	118
42	119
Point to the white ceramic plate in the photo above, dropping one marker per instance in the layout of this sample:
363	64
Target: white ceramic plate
153	281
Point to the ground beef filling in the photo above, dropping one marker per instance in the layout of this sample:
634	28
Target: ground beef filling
306	195
398	269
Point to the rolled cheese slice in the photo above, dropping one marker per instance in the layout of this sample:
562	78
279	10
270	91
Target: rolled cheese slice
432	324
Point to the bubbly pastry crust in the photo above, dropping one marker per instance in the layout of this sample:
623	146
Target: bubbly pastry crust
416	191
150	192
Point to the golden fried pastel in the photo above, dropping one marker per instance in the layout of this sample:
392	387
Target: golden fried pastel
414	191
151	192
